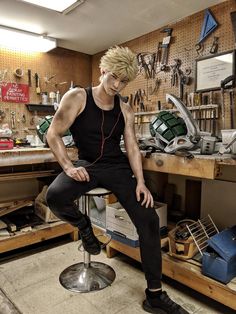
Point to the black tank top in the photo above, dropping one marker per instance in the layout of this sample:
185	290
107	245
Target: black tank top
87	134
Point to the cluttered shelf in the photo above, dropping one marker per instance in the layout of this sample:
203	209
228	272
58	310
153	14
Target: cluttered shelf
24	164
187	272
37	234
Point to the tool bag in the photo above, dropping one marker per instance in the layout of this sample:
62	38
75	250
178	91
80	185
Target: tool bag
219	259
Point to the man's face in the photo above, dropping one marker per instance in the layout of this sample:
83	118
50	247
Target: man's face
113	84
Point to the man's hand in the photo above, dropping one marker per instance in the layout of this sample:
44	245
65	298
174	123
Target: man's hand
146	195
78	174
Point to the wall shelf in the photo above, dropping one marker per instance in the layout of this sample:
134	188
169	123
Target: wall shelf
40	108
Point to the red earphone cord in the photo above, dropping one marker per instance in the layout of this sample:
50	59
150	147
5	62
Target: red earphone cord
104	138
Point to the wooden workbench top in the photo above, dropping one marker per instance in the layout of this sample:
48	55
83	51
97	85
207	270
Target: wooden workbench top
201	166
31	155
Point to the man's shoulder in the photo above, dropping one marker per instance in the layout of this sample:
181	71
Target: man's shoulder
128	112
76	93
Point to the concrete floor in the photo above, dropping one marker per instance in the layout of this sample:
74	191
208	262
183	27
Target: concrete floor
29	284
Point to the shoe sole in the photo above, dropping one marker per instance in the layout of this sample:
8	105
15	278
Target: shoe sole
94	253
148	308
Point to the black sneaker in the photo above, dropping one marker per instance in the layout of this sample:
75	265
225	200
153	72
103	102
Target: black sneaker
89	241
162	304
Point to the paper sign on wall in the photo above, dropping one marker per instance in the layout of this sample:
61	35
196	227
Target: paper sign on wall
13	92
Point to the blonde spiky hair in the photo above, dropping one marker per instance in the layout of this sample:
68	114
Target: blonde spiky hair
120	61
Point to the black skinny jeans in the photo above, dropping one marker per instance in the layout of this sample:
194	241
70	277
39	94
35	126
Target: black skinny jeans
119	179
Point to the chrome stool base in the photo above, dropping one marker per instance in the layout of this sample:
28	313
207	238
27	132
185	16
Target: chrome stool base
79	278
88	276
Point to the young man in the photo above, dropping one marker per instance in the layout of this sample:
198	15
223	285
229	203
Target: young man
97	118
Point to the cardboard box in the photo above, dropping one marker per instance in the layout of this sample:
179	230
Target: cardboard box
41	209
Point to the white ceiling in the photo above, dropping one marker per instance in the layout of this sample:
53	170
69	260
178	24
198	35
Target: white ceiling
98	24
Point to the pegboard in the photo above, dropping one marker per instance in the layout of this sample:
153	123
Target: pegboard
185	36
66	65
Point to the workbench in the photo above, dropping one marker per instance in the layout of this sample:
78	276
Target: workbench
29	163
21	163
205	167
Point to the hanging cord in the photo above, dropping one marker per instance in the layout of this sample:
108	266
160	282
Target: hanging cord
104	138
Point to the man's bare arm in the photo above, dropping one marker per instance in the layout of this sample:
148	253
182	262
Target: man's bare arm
72	104
134	156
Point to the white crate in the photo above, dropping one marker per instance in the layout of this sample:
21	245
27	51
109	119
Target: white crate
118	221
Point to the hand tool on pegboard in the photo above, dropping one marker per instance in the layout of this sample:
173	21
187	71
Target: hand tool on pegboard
165	48
2	115
48	79
13	120
29	77
176	72
154	90
184	80
157	58
153	65
139	100
143	65
36	76
199	49
59	84
215	45
141	104
178	78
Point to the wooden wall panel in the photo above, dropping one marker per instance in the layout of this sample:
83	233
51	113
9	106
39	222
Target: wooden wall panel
186	33
66	64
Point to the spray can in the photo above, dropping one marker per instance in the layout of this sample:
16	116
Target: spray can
44	96
58	97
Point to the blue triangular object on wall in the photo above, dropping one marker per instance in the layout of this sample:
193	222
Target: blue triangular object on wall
208	26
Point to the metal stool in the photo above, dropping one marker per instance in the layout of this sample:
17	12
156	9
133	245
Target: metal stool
88	276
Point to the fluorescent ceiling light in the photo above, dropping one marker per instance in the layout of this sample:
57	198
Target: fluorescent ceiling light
25	41
62	6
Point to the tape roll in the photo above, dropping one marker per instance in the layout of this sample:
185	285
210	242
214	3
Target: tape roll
19	72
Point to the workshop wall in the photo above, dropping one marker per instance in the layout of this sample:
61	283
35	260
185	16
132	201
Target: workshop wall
185	36
65	64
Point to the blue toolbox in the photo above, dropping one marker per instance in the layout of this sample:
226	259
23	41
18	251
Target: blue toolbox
219	259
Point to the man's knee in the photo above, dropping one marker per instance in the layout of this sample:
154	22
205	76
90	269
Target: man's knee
54	197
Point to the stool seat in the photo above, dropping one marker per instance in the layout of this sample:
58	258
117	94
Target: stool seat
98	192
88	276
